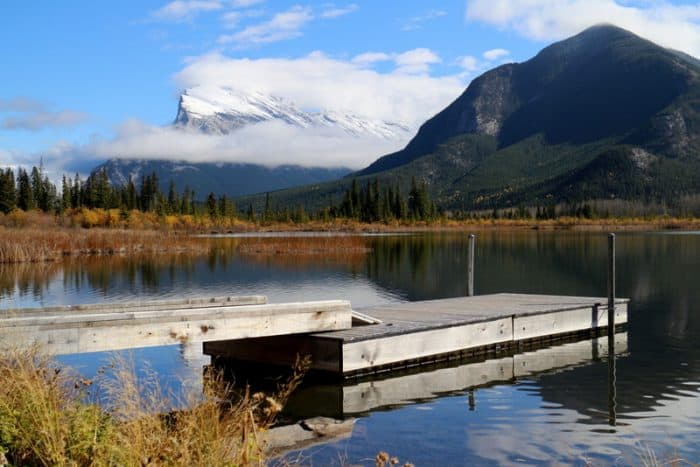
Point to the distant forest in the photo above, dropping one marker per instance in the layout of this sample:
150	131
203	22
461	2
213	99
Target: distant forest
32	190
373	202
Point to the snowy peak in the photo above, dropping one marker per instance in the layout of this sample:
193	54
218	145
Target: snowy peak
223	110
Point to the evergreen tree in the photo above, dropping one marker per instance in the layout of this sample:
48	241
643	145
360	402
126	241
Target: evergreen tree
8	195
66	193
25	197
131	197
211	205
173	201
76	192
399	204
354	199
185	207
267	213
36	179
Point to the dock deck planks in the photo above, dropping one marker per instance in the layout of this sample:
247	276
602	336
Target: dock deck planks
415	332
95	328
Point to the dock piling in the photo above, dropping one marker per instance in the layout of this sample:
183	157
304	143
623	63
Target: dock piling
611	284
470	266
612	376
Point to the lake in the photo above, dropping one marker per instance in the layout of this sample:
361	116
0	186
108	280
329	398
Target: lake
555	414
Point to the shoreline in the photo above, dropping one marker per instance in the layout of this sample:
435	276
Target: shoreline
48	242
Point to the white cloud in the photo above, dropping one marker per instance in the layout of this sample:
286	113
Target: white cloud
182	10
338	12
267	143
369	58
418	21
416	61
469	63
21	104
495	54
316	81
675	26
245	3
231	19
35	121
33	115
282	26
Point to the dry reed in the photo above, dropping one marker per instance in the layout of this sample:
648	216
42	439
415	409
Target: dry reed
300	251
45	419
35	245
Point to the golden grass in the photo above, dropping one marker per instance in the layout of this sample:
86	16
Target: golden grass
44	419
39	245
300	251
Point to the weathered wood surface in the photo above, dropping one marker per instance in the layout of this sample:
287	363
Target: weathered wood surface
352	398
408	317
100	330
145	305
415	331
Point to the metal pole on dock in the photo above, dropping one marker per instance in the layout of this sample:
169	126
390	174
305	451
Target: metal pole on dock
612	376
470	266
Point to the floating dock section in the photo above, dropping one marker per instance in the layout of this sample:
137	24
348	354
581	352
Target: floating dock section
414	333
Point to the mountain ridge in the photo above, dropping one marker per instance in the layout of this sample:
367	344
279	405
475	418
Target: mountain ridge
604	114
512	90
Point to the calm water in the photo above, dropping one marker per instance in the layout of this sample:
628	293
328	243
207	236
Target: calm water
555	414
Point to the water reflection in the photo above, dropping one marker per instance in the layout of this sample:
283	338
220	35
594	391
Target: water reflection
551	417
361	396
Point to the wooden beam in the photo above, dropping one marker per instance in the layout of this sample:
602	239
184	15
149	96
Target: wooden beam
101	331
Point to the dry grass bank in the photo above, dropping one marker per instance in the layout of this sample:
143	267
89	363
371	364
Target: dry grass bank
446	225
295	252
32	244
38	237
44	419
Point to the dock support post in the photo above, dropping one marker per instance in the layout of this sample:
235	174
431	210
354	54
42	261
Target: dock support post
470	266
611	284
612	376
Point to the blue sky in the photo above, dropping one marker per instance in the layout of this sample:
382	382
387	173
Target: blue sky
87	80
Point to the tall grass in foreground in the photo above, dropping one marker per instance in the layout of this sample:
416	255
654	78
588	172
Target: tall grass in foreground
45	419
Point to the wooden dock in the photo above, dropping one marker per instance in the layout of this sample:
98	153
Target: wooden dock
421	332
93	328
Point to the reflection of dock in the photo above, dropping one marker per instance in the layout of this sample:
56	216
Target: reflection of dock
414	333
356	397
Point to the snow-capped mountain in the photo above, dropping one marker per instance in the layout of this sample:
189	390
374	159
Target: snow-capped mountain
221	111
216	110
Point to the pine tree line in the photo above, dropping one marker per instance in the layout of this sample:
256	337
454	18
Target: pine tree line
33	190
375	203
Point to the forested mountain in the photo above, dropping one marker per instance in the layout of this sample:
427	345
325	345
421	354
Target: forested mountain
230	179
602	115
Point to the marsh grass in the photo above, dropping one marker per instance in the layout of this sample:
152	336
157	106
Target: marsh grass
296	251
39	245
46	417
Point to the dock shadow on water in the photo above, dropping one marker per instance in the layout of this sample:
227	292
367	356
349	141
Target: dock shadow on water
339	402
558	415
